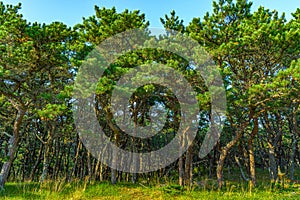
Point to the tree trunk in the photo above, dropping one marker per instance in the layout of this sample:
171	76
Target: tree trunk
75	161
189	166
241	168
273	164
251	153
36	164
98	169
134	148
89	165
114	157
252	163
114	161
180	163
181	171
222	158
296	133
12	148
293	157
113	169
45	163
48	146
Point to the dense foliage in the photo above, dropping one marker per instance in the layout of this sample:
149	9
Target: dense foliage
257	53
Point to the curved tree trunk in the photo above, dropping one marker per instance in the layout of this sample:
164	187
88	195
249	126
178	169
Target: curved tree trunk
222	158
229	145
225	150
12	148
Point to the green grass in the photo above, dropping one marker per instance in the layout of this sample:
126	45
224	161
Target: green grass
202	190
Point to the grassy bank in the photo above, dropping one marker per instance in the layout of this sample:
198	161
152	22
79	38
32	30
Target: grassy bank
96	190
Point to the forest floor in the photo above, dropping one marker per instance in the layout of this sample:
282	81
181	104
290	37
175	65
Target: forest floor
76	191
202	189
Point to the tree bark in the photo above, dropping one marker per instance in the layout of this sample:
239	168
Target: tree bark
293	157
36	164
46	159
241	168
189	166
181	171
114	161
273	164
296	133
12	148
222	158
251	152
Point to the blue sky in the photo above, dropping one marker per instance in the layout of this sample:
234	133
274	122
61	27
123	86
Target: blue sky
72	11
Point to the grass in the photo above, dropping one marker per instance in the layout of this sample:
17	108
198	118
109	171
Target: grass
204	190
